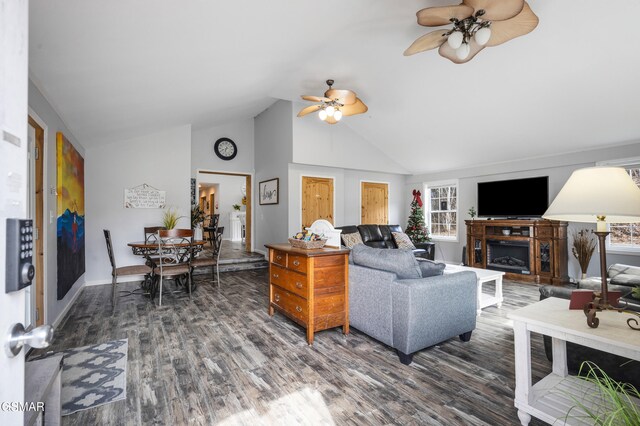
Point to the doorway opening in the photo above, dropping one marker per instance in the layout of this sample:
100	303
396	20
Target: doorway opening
35	294
229	196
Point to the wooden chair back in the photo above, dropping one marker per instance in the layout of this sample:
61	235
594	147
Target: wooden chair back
175	246
151	233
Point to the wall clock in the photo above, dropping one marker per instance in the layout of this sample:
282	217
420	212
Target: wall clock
225	148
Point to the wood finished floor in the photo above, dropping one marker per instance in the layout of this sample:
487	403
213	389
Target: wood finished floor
220	359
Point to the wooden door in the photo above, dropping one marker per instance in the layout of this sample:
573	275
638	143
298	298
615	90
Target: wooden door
38	219
375	203
317	200
212	203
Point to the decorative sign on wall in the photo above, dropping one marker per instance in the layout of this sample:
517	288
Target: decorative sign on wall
144	197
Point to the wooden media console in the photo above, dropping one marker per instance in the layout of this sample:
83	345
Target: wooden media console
526	250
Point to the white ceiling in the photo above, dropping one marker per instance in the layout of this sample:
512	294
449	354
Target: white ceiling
115	70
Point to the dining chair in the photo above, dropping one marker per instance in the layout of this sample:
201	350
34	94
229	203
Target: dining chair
202	261
123	271
151	233
175	250
213	227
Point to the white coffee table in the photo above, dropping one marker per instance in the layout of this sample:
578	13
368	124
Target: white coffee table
483	276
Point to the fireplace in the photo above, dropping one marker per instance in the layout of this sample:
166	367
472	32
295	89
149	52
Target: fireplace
508	256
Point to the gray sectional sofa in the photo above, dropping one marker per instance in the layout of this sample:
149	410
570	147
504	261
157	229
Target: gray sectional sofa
390	300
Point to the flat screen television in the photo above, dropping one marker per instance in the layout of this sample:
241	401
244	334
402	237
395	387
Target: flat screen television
517	198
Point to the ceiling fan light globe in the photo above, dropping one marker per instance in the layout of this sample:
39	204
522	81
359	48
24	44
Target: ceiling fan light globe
483	35
463	51
330	111
455	39
322	114
337	115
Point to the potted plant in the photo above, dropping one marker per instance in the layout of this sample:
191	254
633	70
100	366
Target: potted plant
236	207
583	246
472	212
616	399
170	218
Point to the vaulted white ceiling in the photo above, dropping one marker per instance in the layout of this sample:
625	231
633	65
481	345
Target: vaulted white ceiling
115	70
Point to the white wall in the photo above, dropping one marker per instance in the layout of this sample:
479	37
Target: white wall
346	193
43	109
273	153
228	193
202	141
161	160
318	143
558	168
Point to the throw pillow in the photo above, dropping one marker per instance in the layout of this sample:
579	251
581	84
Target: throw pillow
351	240
429	268
403	241
401	262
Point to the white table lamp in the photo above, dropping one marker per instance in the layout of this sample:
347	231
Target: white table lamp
598	195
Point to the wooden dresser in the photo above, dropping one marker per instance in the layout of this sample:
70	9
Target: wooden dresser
311	287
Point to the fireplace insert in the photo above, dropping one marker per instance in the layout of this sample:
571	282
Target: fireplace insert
509	256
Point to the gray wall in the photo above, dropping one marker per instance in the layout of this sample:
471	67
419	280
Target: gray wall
273	153
161	160
41	107
558	168
202	141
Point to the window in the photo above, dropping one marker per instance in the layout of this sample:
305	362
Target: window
442	210
625	236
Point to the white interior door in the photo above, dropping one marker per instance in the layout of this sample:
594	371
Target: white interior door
13	185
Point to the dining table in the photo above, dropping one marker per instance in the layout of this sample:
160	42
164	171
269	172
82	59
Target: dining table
149	248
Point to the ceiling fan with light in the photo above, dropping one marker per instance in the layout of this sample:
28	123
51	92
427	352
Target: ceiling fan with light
476	25
335	104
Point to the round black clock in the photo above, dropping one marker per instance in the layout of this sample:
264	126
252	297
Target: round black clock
225	148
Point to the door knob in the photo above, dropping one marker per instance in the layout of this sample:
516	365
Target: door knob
39	337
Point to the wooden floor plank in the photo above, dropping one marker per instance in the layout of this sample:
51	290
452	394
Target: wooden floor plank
218	358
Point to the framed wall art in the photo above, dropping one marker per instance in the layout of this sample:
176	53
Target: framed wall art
268	191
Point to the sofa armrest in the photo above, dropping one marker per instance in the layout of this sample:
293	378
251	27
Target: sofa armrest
430	310
429	250
370	302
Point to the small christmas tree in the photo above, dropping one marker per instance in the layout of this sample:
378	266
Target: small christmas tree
416	230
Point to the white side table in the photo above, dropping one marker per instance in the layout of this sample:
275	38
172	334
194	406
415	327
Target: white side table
552	397
483	276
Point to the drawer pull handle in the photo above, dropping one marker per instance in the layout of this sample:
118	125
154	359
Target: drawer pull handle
276	276
276	297
298	308
298	285
296	263
278	257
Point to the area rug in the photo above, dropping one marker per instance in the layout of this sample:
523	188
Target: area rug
94	375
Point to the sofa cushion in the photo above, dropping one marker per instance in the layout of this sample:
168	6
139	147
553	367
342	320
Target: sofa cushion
350	240
619	269
401	262
626	279
371	233
429	268
387	234
402	240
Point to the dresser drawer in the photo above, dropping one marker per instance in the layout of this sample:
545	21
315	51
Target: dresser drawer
297	283
280	258
293	305
297	263
278	275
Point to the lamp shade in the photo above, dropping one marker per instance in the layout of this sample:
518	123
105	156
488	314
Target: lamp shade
597	191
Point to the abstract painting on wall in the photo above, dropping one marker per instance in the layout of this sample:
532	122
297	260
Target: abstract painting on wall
71	259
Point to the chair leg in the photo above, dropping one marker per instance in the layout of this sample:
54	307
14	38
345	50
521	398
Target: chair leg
218	273
160	303
189	278
114	293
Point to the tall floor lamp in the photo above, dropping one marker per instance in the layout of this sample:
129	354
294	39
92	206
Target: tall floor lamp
598	195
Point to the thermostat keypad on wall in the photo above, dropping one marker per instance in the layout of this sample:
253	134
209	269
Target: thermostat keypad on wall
20	246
